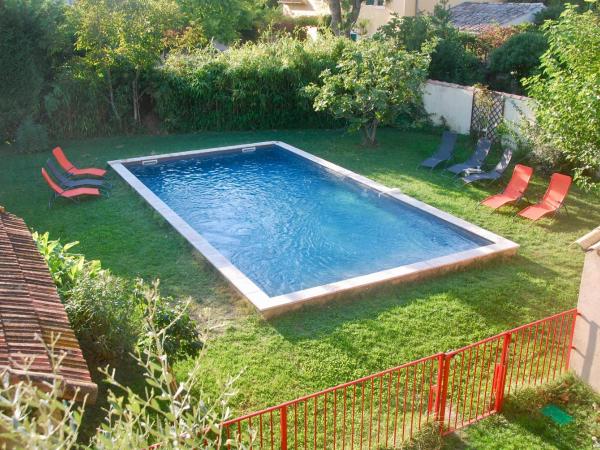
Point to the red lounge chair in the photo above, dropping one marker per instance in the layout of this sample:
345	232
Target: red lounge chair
71	169
514	190
72	194
552	200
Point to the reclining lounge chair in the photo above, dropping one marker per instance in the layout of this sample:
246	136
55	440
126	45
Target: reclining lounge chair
443	153
71	169
476	159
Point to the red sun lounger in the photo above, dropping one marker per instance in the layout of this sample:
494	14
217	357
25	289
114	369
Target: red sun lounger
514	189
552	200
71	169
72	194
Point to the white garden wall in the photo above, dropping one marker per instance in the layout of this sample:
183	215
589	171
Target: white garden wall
451	104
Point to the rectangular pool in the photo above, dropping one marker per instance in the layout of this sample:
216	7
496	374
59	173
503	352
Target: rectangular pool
285	227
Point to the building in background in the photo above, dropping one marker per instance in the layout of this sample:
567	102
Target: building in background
305	8
471	16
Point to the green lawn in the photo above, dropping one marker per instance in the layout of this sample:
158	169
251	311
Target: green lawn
321	346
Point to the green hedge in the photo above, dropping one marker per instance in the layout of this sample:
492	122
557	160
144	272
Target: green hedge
254	86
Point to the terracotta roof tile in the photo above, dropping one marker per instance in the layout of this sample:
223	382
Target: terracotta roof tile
30	309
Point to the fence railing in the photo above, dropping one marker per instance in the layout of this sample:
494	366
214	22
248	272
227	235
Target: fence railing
448	390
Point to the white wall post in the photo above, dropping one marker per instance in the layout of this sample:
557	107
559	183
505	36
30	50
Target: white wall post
585	356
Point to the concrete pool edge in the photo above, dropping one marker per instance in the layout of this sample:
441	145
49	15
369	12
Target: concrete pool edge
271	306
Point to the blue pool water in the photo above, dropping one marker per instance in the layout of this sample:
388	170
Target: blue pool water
289	225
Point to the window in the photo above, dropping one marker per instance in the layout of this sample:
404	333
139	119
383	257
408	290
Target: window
376	2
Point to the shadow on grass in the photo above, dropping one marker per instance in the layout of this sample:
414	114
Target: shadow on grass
490	278
522	425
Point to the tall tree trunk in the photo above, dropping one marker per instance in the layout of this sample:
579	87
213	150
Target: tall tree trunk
111	96
352	16
335	8
370	133
136	98
342	21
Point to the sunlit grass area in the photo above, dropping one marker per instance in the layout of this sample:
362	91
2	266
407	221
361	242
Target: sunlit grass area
321	346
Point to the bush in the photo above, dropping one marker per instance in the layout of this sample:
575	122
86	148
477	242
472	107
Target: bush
492	37
452	62
75	104
31	137
519	57
107	312
249	87
65	267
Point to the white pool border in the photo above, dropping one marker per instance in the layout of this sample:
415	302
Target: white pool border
270	306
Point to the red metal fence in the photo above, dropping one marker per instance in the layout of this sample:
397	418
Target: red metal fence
447	390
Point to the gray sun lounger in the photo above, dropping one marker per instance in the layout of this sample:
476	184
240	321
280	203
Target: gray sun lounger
69	183
492	175
444	151
476	159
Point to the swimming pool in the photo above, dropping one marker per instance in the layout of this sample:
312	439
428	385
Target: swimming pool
285	227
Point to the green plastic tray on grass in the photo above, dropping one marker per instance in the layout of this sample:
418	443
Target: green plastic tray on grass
556	414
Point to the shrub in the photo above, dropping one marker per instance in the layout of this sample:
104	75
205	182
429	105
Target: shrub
452	62
182	337
107	311
31	137
519	57
252	86
65	267
492	37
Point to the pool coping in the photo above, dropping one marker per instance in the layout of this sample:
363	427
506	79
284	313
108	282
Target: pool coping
270	306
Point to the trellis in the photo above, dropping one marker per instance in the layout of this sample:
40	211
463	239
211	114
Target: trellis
487	113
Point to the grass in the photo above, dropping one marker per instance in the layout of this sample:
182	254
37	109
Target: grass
522	425
320	346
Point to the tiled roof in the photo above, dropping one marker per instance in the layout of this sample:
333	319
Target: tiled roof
474	17
30	309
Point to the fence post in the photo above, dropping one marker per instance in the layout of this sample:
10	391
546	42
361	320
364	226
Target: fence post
443	389
575	314
501	374
283	426
437	389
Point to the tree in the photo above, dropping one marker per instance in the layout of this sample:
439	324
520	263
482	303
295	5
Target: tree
122	34
451	60
373	83
517	58
226	20
344	14
567	93
32	44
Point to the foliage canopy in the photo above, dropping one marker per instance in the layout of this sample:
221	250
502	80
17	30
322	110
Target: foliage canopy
451	59
371	85
567	92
